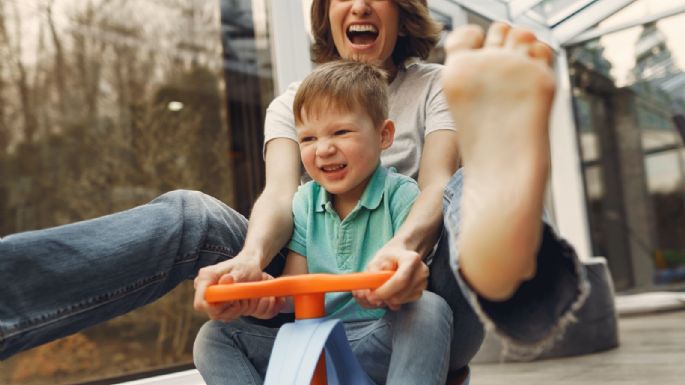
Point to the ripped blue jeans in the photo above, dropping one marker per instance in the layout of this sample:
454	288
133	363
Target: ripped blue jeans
98	269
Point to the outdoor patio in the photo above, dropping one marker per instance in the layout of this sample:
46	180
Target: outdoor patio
652	351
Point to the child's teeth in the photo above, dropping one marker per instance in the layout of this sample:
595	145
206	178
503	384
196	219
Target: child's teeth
333	168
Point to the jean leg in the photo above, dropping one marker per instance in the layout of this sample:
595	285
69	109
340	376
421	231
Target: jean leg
233	353
540	310
57	281
467	330
371	343
421	335
406	347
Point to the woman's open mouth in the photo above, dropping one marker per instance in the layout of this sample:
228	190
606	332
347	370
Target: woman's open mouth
362	34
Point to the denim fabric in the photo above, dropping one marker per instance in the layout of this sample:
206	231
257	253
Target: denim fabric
58	281
538	313
409	346
467	331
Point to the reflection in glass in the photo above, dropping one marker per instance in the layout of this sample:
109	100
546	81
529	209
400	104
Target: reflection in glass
633	106
105	104
249	90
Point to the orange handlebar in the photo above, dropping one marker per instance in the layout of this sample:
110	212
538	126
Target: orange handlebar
296	285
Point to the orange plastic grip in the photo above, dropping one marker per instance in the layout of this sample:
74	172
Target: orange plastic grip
296	285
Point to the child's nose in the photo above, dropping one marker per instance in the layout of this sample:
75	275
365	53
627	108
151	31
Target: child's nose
325	148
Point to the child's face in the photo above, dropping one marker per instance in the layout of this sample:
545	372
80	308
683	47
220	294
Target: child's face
341	149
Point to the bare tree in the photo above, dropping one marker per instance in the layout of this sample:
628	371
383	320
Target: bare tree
59	71
27	109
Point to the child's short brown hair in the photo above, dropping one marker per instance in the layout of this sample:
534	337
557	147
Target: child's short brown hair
344	85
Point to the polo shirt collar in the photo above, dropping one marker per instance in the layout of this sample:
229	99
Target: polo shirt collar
373	193
371	198
323	199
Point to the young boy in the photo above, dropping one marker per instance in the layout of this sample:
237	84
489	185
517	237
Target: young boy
352	207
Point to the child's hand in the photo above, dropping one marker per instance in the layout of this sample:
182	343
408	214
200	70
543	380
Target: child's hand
367	300
266	307
408	282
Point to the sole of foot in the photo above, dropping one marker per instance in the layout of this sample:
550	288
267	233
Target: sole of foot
500	95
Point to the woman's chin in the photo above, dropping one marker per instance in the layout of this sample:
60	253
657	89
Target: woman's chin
364	53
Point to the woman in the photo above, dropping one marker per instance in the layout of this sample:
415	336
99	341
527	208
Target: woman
175	235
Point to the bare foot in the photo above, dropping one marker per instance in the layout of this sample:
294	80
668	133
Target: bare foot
500	89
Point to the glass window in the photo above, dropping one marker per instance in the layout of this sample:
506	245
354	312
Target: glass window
556	10
105	104
629	96
437	55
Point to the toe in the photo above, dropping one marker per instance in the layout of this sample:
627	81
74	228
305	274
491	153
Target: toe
464	38
520	40
542	52
497	34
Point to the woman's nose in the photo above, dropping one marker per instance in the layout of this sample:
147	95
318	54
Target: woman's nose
361	8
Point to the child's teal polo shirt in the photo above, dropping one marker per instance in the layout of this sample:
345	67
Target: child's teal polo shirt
334	246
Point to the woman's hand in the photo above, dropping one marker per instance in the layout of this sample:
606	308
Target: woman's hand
269	229
241	268
406	285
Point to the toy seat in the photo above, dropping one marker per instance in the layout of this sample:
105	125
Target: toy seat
312	350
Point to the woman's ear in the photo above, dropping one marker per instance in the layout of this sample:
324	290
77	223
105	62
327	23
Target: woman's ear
387	134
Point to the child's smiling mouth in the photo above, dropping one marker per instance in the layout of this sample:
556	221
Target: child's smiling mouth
333	167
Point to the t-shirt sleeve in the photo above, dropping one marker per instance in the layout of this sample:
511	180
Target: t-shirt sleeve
402	200
438	115
298	241
279	121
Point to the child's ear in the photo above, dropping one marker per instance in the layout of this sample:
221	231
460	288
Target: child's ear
387	134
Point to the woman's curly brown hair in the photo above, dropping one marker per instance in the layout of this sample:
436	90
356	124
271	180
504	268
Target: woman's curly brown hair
419	33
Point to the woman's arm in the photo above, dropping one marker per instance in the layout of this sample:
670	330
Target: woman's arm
268	231
271	220
417	236
439	161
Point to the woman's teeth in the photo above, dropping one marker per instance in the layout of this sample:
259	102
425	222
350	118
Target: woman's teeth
362	28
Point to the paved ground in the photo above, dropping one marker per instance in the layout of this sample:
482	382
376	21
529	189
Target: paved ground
652	352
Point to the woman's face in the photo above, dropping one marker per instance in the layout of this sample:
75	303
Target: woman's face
365	30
